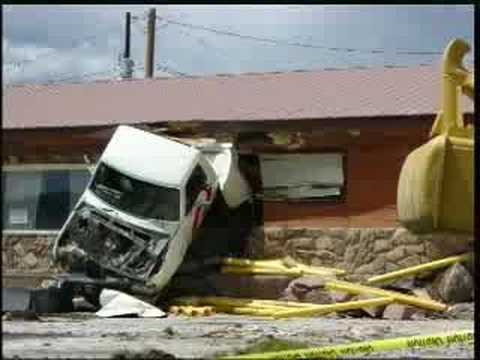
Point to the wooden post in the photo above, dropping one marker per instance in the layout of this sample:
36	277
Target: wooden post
150	50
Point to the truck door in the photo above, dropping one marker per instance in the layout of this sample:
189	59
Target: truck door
198	195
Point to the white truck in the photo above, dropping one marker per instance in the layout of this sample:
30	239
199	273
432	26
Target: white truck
146	199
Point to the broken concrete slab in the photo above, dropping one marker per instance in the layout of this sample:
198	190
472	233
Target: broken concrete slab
399	312
372	311
310	287
404	284
455	285
116	303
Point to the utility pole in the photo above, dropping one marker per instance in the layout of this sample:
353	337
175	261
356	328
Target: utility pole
150	50
126	54
126	64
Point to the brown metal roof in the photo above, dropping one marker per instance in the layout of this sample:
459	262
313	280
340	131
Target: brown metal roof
327	94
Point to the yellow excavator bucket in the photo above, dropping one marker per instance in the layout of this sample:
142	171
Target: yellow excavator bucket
436	184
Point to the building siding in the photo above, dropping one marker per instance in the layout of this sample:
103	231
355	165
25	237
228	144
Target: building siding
373	164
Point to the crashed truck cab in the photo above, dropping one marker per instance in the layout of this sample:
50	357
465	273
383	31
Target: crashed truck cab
146	199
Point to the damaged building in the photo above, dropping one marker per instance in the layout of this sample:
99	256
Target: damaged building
321	151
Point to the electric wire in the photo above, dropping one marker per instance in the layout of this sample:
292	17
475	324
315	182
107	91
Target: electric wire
296	43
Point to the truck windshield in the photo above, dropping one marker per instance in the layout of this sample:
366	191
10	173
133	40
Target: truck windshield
134	196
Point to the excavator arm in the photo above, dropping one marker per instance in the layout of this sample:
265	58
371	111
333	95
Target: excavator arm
436	184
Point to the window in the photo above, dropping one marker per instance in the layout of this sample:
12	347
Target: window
195	184
40	197
302	176
136	197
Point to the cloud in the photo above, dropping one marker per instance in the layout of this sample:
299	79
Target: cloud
52	42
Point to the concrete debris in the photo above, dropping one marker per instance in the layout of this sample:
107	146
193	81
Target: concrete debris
341	296
399	312
462	311
318	296
403	285
398	297
422	293
308	289
309	282
115	303
372	311
455	285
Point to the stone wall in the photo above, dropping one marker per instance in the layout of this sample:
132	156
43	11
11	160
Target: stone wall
361	252
26	252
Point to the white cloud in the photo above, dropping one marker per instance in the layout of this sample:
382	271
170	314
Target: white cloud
57	41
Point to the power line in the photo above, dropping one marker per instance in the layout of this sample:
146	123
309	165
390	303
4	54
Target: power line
296	43
171	70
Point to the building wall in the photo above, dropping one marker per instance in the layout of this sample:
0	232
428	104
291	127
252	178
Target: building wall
26	251
359	234
373	163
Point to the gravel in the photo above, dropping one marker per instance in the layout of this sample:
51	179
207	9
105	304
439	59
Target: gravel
86	336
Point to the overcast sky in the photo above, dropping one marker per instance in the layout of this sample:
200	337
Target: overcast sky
82	43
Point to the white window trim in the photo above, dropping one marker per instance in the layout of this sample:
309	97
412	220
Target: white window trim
42	167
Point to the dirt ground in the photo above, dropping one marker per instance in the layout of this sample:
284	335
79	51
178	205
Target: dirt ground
83	335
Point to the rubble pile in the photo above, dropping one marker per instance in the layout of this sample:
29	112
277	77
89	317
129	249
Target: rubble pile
441	288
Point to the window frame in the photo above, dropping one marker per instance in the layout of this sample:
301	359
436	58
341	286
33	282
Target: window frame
327	200
18	168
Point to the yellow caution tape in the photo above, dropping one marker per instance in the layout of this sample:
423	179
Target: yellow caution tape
398	297
365	348
413	270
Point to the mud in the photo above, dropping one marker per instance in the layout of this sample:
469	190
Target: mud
86	336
